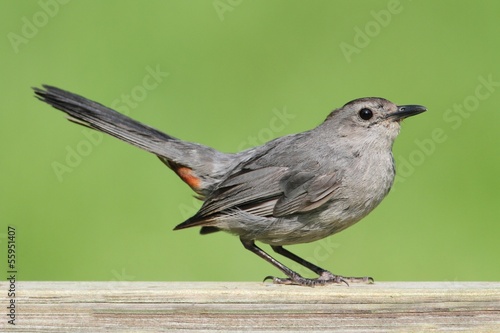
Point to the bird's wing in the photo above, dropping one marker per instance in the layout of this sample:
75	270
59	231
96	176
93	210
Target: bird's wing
304	191
270	191
246	190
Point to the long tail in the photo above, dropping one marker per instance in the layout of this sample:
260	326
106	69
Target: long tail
201	167
97	116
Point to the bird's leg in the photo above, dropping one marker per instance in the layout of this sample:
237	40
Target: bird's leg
250	245
324	275
284	252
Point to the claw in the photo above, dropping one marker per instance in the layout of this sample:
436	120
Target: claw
269	277
324	279
365	279
342	280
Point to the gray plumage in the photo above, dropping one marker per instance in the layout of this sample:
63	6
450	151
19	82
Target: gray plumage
294	189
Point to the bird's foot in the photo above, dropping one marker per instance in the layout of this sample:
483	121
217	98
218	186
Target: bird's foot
324	279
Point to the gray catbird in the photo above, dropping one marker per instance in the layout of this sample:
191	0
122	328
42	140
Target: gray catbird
294	189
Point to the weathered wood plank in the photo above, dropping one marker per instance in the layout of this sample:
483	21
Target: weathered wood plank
231	306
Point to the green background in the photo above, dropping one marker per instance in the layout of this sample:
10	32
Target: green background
232	65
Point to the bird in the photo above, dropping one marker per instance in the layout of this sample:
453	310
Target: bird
294	189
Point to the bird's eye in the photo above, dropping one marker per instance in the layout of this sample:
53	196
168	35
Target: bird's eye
365	114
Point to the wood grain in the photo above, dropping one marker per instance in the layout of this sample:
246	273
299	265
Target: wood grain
264	307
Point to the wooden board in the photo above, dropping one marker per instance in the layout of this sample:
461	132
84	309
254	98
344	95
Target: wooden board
265	307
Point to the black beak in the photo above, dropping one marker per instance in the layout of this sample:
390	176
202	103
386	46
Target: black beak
405	111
